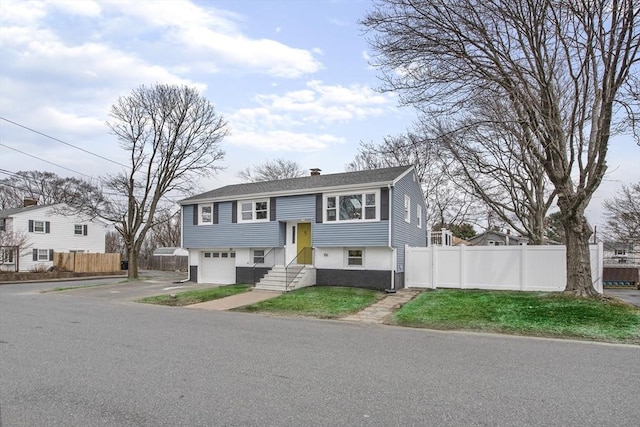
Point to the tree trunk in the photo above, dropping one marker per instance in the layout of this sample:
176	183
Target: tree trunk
133	265
579	281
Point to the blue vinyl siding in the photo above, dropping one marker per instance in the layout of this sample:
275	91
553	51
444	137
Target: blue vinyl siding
350	234
296	208
226	234
405	233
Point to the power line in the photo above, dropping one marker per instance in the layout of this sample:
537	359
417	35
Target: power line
63	142
46	161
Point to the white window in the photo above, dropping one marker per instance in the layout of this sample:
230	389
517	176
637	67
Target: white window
207	254
620	251
258	256
494	243
355	257
43	255
407	208
254	210
351	207
206	214
6	256
80	230
419	215
38	226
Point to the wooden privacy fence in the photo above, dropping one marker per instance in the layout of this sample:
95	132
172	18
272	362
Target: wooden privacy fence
79	262
524	268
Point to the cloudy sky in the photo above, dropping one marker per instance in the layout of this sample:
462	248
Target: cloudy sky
290	76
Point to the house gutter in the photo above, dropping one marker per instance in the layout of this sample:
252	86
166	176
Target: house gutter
393	252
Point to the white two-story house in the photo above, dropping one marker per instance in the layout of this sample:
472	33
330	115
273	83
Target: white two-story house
42	230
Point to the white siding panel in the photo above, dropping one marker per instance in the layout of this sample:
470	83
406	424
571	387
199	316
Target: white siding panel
61	237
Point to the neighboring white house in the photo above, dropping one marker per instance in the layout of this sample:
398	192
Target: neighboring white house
47	231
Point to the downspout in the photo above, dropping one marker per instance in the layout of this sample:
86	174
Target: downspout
188	279
393	252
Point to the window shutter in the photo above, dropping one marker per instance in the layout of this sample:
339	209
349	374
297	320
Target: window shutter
31	227
50	254
272	209
319	208
47	227
215	212
85	229
35	254
234	212
384	203
195	214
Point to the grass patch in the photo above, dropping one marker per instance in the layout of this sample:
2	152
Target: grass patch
193	297
326	302
523	313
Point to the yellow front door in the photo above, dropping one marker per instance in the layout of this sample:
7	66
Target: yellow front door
304	243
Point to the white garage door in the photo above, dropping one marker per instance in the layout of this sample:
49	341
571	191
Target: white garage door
218	267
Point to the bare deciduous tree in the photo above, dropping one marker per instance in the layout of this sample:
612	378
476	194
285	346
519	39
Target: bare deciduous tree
46	188
271	170
622	213
173	134
561	67
13	245
493	164
446	203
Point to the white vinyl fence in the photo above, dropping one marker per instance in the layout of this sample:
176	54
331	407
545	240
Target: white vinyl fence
524	268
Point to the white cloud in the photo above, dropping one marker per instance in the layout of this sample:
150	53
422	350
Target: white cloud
282	140
298	119
76	7
18	12
327	104
215	34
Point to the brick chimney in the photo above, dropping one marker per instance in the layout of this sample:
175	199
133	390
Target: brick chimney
28	201
315	171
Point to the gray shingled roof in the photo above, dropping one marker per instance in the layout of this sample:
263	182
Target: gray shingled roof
386	175
10	212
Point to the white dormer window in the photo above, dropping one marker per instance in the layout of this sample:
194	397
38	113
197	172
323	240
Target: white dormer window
253	210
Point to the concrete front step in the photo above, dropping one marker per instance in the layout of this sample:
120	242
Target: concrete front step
277	277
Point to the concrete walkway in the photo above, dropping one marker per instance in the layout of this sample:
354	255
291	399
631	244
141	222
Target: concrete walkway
377	312
235	301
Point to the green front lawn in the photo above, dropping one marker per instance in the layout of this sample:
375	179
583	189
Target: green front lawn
327	302
196	296
523	313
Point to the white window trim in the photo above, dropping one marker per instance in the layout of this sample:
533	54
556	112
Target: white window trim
363	194
346	259
254	256
41	252
201	220
407	208
253	210
43	226
419	215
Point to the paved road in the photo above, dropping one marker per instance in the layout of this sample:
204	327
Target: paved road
75	360
632	296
